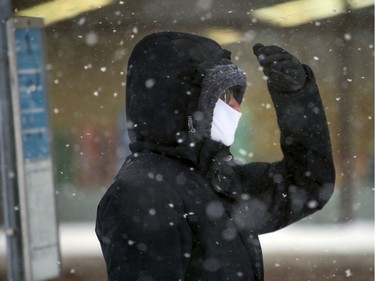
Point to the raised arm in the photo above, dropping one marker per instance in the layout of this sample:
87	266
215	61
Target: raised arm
302	182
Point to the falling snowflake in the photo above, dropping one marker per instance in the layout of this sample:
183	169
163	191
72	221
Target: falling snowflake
348	273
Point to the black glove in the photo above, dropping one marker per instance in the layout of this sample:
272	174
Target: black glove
283	70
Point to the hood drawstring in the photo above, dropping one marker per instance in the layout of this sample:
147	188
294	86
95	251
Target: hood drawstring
190	124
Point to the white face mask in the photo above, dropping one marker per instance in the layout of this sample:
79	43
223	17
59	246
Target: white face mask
224	123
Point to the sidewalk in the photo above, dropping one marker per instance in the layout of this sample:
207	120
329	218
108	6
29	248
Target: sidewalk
299	244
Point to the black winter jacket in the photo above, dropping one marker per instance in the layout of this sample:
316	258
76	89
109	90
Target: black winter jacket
181	208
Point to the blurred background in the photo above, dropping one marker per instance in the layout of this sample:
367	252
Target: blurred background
87	47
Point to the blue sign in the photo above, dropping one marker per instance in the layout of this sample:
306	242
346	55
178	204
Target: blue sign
37	210
32	93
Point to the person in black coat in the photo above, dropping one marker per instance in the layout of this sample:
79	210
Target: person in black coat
181	207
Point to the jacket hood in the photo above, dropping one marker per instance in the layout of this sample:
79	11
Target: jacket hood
173	82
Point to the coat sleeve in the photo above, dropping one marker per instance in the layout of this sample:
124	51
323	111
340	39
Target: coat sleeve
302	182
141	232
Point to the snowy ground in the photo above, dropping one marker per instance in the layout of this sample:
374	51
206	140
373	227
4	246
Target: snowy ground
357	238
78	242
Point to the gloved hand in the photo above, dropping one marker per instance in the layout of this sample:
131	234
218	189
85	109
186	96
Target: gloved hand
285	73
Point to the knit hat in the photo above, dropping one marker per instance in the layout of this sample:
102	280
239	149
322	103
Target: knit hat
216	80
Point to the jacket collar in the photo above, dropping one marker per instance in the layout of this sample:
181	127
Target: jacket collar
211	158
